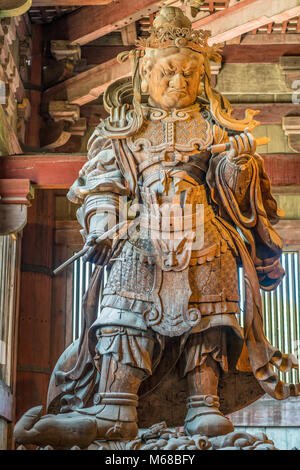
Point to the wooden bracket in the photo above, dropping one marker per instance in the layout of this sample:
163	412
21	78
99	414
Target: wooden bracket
65	122
66	57
291	127
290	65
15	196
10	8
65	50
23	112
214	69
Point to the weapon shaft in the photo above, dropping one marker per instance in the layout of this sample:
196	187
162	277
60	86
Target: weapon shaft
223	147
86	248
71	260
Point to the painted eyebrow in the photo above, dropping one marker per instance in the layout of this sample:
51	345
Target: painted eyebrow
167	68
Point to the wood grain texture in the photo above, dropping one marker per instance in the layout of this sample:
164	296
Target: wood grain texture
78	28
35	309
269	412
44	171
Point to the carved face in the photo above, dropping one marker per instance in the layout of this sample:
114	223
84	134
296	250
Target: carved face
172	77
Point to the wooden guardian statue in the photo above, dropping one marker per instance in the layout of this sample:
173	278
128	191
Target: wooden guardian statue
167	344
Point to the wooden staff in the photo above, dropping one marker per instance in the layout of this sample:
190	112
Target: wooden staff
224	147
86	248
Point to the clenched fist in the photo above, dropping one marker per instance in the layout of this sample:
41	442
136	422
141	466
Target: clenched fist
242	146
98	253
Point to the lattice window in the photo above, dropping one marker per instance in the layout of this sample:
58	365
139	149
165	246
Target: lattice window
8	252
281	311
82	273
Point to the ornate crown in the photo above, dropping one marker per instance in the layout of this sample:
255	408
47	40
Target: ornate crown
172	28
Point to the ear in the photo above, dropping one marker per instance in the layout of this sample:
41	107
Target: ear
144	86
145	75
200	88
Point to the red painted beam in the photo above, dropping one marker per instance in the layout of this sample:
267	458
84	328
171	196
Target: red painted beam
269	113
283	169
44	171
60	171
15	191
249	54
232	54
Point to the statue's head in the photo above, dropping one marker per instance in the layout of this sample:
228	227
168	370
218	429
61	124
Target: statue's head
172	66
174	61
172	76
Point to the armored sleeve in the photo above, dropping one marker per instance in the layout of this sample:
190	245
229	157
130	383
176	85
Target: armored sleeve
100	189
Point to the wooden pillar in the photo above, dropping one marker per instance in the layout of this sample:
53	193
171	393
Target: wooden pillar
34	344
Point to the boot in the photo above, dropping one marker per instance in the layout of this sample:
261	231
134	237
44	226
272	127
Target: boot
113	415
116	402
116	415
203	416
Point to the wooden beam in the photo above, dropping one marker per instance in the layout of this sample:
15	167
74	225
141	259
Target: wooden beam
52	171
284	27
270	39
66	3
270	27
231	53
48	171
87	86
283	169
249	54
246	16
89	23
288	230
95	55
270	113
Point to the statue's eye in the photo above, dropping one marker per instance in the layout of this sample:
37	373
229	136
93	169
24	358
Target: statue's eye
187	74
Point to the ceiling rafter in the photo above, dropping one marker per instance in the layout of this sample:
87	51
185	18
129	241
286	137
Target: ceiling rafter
88	85
48	3
89	23
246	16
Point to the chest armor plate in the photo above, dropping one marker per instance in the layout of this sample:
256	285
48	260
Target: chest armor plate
178	132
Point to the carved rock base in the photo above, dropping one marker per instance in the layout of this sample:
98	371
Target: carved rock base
159	437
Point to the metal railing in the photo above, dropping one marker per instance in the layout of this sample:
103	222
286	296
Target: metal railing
8	247
281	311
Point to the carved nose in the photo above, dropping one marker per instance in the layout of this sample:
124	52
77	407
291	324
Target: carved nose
178	82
